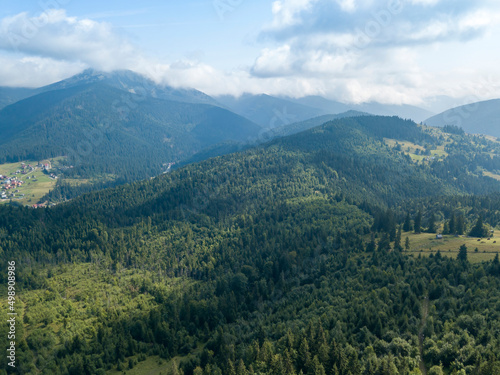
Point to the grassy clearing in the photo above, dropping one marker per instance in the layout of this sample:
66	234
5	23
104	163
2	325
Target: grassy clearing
77	182
426	244
410	149
405	145
492	175
33	188
155	365
151	366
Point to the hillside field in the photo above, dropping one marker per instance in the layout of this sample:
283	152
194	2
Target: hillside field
426	244
33	189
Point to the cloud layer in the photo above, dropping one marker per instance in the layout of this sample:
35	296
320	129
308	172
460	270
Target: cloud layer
349	50
56	35
366	49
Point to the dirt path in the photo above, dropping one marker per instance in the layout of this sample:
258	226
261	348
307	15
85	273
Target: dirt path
425	313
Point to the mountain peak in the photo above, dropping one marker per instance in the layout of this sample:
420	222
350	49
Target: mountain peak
131	82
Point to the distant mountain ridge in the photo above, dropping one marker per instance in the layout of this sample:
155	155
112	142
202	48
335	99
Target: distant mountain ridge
133	83
10	95
121	79
414	113
119	123
270	112
480	117
265	135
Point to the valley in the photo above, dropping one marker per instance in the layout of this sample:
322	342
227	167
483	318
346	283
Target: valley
329	245
225	187
34	180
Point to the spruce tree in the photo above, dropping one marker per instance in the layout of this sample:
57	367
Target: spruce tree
288	363
460	225
446	228
462	253
479	230
304	355
384	243
407	223
407	244
418	223
241	369
452	224
432	224
397	241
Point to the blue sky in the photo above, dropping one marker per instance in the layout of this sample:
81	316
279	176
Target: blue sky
393	51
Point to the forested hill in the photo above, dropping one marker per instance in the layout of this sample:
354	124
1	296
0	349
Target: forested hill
480	117
9	95
347	157
119	124
286	258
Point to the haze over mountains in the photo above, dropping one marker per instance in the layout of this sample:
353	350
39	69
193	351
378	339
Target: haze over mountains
124	124
481	117
404	111
117	118
269	111
10	95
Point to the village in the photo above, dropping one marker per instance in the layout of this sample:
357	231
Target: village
14	184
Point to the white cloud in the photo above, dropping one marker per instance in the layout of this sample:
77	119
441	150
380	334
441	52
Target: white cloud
364	50
348	50
54	34
35	71
287	12
274	62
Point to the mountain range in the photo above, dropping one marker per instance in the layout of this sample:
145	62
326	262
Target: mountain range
479	117
271	112
414	113
117	123
126	126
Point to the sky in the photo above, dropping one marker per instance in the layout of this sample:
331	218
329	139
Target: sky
431	53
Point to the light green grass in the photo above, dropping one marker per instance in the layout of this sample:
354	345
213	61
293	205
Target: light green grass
426	244
410	149
76	297
33	190
151	366
155	365
491	175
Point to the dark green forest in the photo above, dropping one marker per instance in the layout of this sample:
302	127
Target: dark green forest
103	128
286	258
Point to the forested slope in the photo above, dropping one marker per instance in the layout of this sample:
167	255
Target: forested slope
120	125
283	259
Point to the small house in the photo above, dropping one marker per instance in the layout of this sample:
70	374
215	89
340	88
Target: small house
439	236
